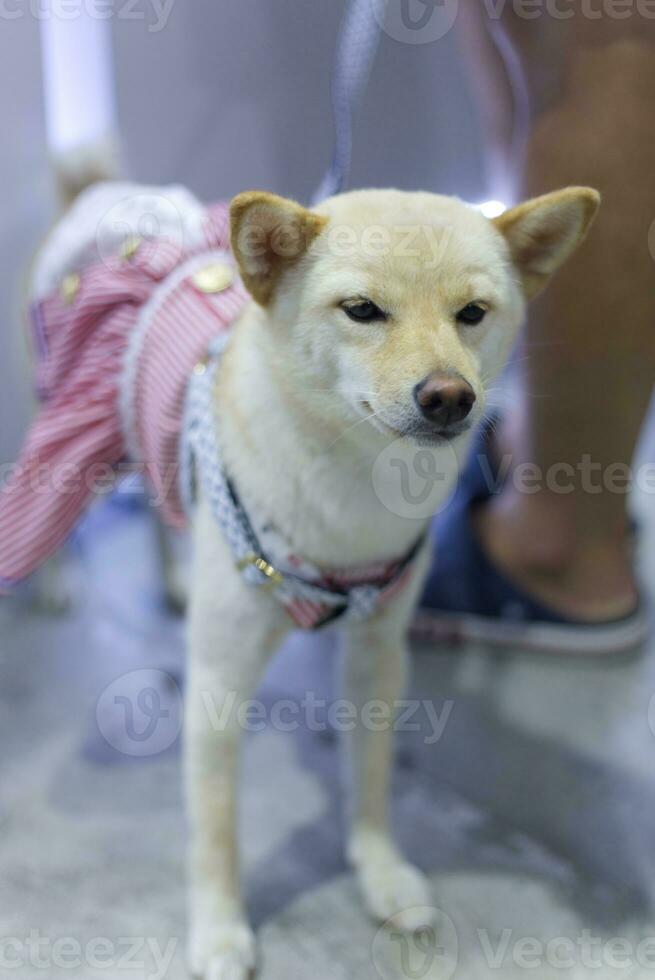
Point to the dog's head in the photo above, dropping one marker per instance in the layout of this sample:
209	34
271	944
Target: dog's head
400	307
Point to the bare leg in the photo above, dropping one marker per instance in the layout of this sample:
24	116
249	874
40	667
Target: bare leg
589	345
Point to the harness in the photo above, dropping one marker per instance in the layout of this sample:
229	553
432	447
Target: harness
312	597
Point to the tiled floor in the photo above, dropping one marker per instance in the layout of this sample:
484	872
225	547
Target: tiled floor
534	810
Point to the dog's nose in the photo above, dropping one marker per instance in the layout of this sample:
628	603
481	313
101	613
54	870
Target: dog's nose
444	398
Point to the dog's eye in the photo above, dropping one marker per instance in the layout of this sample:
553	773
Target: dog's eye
471	314
363	311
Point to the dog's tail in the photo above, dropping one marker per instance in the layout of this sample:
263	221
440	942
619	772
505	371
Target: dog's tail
77	168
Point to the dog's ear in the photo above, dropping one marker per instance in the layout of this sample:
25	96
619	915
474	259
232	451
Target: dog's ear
543	232
269	235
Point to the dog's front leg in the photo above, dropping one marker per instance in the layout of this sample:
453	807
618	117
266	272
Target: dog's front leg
232	630
376	676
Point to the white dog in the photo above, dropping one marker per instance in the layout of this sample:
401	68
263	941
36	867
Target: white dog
380	317
378	320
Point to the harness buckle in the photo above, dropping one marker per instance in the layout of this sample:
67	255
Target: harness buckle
274	577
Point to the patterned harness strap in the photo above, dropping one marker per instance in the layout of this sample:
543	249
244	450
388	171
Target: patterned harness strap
309	604
356	48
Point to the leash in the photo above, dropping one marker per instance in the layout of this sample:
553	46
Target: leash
357	45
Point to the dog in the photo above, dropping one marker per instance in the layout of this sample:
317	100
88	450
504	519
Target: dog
368	329
355	338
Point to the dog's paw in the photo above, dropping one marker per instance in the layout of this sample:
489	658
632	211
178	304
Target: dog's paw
225	952
397	893
394	891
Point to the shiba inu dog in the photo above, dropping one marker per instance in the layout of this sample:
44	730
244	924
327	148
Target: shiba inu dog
380	318
357	335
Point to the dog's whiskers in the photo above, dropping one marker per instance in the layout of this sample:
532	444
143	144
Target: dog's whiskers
349	428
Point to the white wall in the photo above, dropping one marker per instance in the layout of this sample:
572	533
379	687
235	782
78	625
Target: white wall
25	209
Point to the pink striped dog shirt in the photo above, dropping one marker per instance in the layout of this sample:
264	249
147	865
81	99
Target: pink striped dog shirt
116	342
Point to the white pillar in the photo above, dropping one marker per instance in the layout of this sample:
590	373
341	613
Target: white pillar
78	74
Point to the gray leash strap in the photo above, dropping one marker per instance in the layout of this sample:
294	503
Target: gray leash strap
357	45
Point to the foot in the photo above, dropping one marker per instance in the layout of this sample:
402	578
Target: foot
532	548
222	951
511	586
543	542
394	891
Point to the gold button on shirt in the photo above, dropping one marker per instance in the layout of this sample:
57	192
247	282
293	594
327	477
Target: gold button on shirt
70	287
213	278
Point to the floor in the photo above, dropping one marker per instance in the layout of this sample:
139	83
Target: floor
526	788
